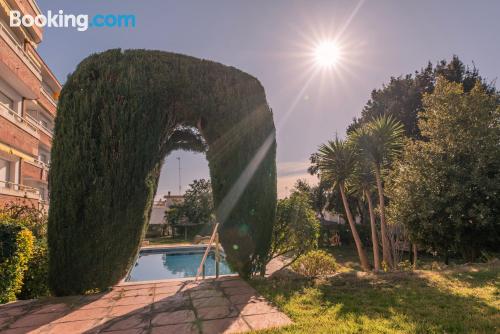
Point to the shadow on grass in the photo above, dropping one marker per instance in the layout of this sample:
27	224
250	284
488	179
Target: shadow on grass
416	302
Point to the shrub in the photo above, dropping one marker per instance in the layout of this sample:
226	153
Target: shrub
26	216
16	247
35	283
296	229
315	264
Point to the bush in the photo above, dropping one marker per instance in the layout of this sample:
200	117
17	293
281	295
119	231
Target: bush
296	229
16	247
24	216
315	264
28	216
35	283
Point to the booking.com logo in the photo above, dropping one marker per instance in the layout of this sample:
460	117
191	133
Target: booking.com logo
81	22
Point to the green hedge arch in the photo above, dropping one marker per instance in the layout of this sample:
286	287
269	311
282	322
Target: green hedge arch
120	113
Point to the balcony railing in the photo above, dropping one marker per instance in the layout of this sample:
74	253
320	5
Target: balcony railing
27	124
43	165
32	123
48	96
16	189
40	125
14	44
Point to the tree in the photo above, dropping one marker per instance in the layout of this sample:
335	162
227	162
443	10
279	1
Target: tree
363	181
174	214
446	189
296	229
379	142
316	194
198	203
336	162
197	207
402	97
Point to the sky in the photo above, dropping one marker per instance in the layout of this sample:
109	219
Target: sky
274	41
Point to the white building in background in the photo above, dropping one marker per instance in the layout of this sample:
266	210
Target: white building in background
158	224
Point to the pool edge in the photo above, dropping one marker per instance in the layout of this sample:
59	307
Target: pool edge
123	281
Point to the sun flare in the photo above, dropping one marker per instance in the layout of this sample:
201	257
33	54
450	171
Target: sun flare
327	54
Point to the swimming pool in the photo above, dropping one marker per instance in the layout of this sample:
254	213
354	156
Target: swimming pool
168	263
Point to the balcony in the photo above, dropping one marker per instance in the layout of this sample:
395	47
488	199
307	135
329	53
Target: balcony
19	50
31	8
47	101
18	190
21	71
43	165
19	121
39	125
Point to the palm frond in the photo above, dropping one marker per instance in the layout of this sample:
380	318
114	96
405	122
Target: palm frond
380	140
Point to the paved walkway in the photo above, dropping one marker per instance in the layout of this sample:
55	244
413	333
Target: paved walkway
225	305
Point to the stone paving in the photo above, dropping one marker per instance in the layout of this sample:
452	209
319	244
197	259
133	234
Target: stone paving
224	305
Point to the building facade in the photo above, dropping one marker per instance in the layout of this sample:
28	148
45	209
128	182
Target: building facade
28	103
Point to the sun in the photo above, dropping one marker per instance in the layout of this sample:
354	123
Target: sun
327	54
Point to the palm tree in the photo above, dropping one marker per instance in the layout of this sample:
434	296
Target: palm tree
380	141
364	181
336	161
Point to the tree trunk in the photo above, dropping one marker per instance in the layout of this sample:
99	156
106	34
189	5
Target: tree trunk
386	246
376	258
415	253
359	245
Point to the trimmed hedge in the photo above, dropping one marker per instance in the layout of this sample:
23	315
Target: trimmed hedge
16	246
117	119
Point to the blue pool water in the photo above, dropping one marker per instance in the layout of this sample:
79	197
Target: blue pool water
157	264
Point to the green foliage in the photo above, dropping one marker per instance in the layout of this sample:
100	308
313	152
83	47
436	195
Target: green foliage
445	190
16	247
402	97
345	233
336	161
36	280
28	216
198	206
296	230
198	202
316	263
119	115
380	140
175	214
317	194
24	216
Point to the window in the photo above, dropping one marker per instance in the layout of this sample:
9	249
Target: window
43	193
6	100
5	173
43	158
32	113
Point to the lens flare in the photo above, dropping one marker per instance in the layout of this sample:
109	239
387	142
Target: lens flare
327	54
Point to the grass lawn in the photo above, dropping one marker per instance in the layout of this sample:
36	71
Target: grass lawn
460	299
